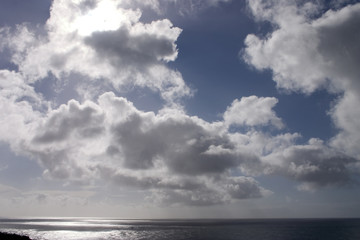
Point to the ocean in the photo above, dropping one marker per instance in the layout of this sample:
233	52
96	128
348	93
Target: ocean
189	229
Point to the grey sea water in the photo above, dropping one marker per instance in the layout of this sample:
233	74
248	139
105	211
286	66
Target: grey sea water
191	229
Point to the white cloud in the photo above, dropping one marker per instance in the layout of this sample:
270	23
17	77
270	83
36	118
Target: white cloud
100	40
180	159
170	151
323	48
289	51
19	103
252	111
307	53
112	140
176	158
345	115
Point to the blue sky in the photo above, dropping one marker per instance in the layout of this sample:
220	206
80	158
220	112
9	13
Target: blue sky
222	75
168	108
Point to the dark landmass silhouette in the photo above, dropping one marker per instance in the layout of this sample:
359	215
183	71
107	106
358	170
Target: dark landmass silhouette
10	236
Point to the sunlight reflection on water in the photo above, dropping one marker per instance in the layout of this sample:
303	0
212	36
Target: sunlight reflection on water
78	235
226	229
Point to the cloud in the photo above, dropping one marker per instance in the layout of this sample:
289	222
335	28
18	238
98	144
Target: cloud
244	187
174	154
170	151
223	191
138	139
309	50
323	47
183	7
142	49
11	197
100	40
85	120
19	103
191	6
181	159
314	165
345	114
252	111
174	157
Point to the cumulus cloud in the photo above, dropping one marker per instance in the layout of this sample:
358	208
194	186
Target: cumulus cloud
253	111
100	40
307	51
170	152
313	164
345	114
174	154
324	48
86	121
180	159
176	158
19	103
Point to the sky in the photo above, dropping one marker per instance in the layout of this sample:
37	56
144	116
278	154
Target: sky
179	108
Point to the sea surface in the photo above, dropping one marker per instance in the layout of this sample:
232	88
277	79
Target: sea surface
190	229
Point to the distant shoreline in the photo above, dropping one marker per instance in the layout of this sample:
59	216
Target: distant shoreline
11	236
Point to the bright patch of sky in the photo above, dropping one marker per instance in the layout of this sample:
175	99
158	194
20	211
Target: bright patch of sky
167	108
